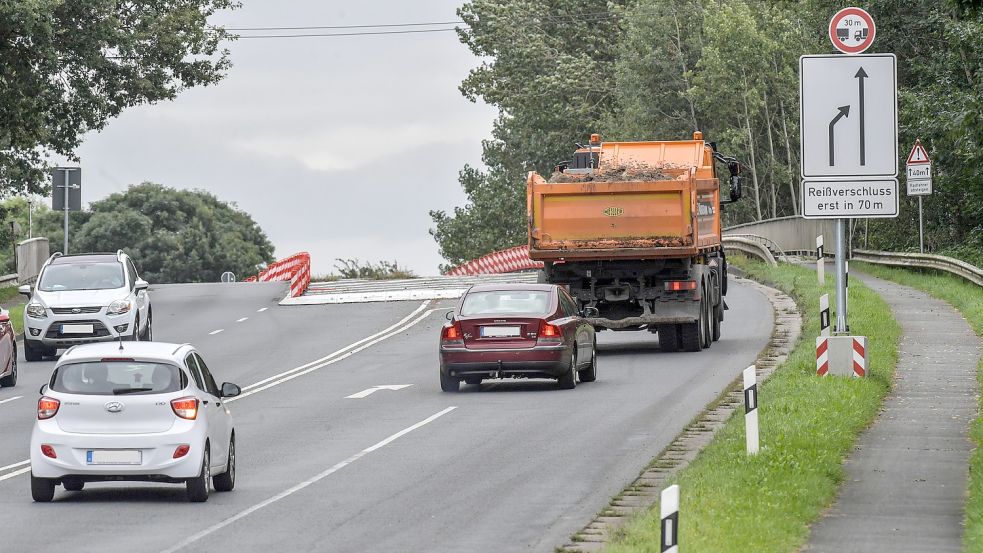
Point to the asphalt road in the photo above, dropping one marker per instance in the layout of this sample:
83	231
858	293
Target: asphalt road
514	466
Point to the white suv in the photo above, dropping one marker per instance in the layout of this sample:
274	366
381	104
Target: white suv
85	298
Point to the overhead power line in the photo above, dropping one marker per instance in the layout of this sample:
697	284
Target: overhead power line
363	33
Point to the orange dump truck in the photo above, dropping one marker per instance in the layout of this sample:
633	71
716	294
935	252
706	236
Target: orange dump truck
633	229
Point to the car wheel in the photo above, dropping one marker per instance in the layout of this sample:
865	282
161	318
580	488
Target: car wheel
197	487
449	383
11	379
73	484
668	337
32	352
42	489
568	380
590	374
227	480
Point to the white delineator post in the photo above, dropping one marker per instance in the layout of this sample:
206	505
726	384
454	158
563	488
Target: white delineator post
751	410
669	510
820	261
824	315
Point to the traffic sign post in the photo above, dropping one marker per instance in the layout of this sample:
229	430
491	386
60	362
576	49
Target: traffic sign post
69	179
919	182
852	30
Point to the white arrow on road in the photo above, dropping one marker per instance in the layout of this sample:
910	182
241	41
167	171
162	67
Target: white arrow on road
372	390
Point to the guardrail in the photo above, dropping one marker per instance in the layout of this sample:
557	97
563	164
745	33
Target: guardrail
924	260
749	246
7	280
772	246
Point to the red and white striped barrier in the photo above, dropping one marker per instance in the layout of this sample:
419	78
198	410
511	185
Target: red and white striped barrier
842	355
505	261
822	355
296	269
859	355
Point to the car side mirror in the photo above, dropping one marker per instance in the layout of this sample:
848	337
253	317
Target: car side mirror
449	315
42	389
591	312
735	180
24	290
141	285
230	390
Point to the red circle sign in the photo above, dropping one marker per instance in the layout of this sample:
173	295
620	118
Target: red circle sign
852	30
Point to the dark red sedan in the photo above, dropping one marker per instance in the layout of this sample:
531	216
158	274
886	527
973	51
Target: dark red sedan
516	331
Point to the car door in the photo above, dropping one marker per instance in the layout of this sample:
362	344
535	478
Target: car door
6	341
140	296
574	324
219	425
207	401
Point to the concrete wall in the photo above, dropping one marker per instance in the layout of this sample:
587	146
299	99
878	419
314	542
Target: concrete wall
31	255
791	233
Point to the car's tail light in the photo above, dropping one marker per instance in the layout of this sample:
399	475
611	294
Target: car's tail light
549	332
680	285
181	451
48	451
185	407
47	407
452	334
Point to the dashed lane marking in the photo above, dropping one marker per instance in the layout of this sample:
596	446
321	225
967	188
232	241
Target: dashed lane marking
216	331
243	319
262	309
2	401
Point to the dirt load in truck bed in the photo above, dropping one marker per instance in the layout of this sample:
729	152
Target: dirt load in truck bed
617	173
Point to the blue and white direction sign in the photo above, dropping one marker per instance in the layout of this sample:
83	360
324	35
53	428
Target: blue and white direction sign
849	116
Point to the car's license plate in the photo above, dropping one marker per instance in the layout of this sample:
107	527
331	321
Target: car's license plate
76	329
113	457
499	331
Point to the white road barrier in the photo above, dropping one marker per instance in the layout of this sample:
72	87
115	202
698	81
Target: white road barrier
751	410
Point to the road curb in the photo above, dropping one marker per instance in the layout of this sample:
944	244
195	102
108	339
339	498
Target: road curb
639	496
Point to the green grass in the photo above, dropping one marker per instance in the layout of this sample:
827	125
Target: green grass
734	503
8	293
968	299
17	318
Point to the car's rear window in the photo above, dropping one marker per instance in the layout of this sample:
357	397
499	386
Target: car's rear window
82	276
118	378
501	302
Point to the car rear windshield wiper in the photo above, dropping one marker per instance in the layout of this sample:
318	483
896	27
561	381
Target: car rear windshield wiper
121	391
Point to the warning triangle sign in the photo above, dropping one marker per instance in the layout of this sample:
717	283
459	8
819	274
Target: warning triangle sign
918	154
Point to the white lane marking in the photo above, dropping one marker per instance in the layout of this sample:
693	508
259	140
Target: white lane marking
15	473
216	331
332	358
306	483
262	309
15	465
374	389
10	399
313	365
243	319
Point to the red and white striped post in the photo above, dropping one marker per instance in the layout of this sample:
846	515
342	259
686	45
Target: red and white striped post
822	355
669	511
751	410
859	356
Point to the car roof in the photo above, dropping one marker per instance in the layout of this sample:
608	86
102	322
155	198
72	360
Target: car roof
162	351
84	258
503	287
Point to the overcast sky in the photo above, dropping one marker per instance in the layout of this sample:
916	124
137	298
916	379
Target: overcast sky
338	146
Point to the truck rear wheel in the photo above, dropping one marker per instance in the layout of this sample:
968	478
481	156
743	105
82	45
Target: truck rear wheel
668	337
718	315
709	316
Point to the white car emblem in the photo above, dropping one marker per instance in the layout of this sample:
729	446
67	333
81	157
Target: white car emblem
114	406
76	310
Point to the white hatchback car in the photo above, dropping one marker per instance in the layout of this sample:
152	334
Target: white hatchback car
146	411
85	298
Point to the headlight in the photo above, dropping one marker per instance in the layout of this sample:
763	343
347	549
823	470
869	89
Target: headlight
36	311
119	307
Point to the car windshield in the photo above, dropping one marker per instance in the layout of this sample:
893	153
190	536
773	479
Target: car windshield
118	378
82	276
499	302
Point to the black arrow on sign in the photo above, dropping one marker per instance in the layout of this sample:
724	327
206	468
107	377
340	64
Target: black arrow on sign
844	112
861	75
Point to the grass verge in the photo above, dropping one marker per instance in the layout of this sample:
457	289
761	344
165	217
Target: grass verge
808	426
8	293
17	318
968	299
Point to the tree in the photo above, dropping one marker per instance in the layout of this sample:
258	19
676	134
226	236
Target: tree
69	67
174	235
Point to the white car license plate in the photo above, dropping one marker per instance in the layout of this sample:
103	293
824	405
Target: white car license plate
76	329
499	331
113	457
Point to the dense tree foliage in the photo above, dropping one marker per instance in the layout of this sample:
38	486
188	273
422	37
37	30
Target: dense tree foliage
66	68
172	235
659	69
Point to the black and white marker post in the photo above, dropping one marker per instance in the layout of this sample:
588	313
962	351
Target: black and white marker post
824	315
669	510
820	260
751	410
846	284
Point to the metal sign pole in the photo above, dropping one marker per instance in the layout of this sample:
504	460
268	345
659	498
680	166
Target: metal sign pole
67	185
841	325
921	228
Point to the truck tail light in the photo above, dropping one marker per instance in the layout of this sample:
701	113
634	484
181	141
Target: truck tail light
452	335
549	332
185	407
680	285
47	407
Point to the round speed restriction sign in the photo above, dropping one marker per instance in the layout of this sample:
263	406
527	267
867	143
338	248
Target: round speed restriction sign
852	30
